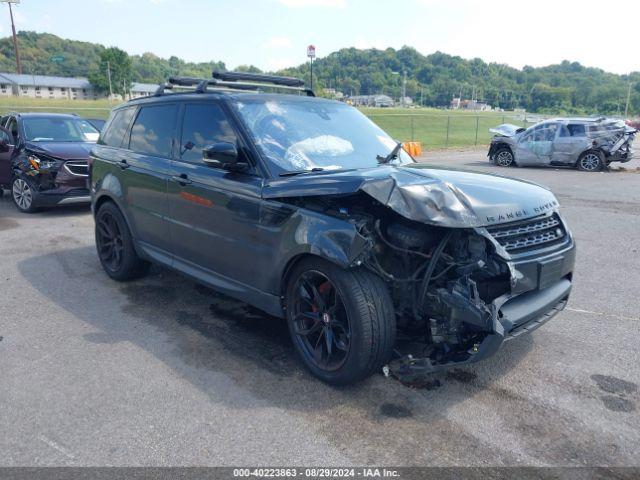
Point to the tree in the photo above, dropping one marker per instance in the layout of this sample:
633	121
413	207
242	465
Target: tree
118	63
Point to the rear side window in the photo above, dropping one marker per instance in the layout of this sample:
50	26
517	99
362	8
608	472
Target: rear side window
576	130
203	124
117	128
153	130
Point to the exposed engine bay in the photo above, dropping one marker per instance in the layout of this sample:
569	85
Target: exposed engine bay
444	281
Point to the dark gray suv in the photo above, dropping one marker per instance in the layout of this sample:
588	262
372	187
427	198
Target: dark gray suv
307	210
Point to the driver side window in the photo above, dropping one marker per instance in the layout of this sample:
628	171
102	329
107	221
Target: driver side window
203	124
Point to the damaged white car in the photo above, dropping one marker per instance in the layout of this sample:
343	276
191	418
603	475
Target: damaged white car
590	144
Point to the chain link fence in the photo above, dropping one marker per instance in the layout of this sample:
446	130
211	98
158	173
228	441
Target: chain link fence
432	130
443	130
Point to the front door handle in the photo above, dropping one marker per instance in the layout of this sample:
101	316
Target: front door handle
123	164
182	179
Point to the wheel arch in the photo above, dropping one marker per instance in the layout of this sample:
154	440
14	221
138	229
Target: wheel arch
107	197
295	260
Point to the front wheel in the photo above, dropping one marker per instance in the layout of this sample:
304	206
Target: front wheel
24	195
115	245
591	161
342	322
504	158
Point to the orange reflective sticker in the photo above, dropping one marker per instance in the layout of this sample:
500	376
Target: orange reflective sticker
189	197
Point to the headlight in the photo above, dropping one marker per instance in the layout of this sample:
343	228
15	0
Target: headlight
38	163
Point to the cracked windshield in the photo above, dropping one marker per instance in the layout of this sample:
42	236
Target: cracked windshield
299	134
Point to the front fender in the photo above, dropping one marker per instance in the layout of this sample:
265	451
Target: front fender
311	233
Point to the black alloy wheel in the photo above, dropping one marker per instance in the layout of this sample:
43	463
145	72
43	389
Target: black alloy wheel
320	321
341	320
109	241
115	246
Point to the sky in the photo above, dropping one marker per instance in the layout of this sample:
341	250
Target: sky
273	34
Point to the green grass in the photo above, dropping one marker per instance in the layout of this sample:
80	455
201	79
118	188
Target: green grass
425	125
440	128
84	108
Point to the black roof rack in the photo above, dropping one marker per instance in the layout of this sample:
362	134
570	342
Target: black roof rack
234	81
257	78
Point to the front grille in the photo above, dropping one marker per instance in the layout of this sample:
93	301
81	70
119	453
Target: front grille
77	167
530	234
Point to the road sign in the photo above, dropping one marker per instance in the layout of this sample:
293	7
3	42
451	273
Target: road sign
57	58
311	51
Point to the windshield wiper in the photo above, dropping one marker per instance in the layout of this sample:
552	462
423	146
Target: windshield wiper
300	172
392	154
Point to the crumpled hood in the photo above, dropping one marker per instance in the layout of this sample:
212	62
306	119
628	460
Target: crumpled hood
431	195
507	130
61	150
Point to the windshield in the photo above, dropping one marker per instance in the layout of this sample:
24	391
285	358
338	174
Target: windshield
59	129
305	134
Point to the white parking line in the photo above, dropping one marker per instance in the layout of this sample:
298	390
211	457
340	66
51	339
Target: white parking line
56	446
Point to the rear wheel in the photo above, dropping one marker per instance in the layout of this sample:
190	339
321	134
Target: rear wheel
115	245
342	322
591	161
503	157
24	195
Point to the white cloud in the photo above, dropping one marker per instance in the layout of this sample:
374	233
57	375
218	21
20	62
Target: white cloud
279	63
314	3
279	42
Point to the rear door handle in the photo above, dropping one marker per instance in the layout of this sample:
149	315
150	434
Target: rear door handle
123	164
182	179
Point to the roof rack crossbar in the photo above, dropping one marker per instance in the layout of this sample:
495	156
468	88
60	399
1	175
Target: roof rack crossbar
257	78
201	85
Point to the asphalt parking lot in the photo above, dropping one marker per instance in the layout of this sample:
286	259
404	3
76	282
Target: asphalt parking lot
162	371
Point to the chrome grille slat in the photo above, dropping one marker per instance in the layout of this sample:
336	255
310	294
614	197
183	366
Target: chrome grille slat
533	227
77	167
529	234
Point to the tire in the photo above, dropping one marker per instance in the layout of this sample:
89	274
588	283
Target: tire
350	310
114	243
591	161
24	194
504	157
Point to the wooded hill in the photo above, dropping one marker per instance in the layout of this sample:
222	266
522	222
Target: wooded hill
432	80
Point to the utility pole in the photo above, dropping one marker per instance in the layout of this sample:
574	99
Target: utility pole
109	77
626	107
311	53
404	89
15	38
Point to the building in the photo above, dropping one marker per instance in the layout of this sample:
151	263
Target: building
372	101
45	86
138	90
459	104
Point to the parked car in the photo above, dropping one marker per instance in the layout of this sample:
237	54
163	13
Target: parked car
307	210
43	159
590	144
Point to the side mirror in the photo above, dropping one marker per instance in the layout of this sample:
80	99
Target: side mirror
223	155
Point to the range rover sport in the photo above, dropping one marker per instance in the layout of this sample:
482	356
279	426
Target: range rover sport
307	210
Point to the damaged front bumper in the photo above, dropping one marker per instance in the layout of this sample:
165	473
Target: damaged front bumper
540	289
